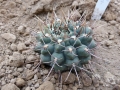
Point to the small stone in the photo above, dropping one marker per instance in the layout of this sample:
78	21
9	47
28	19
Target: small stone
2	70
46	85
87	81
113	22
75	3
108	43
64	87
70	79
9	37
118	19
109	15
21	47
27	88
16	60
74	88
20	69
28	66
116	87
10	87
3	82
95	81
13	47
45	72
36	85
29	74
111	37
30	59
38	75
21	29
75	15
109	78
16	73
35	77
20	82
13	81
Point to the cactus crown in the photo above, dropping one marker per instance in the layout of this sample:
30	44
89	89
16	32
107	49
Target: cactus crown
63	45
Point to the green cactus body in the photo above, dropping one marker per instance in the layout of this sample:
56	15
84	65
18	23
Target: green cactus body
64	45
45	58
59	56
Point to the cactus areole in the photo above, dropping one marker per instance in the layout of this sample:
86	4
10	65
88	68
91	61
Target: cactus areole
63	45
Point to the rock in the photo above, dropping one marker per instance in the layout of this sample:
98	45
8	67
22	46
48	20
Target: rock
45	72
109	15
9	37
27	88
95	80
36	85
70	79
75	15
108	43
46	85
28	66
118	19
21	29
87	81
113	22
75	3
20	82
109	78
13	81
10	87
111	37
74	88
42	4
30	58
20	70
116	87
16	60
10	4
13	47
21	47
29	74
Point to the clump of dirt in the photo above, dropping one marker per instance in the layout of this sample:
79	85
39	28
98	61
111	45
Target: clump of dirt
18	26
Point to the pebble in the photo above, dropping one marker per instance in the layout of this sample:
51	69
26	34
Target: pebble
13	47
21	29
10	87
70	79
13	80
3	82
46	85
30	58
116	87
109	78
27	88
35	77
21	47
45	71
108	43
95	81
20	69
16	59
87	81
29	74
9	37
20	82
36	85
28	66
111	37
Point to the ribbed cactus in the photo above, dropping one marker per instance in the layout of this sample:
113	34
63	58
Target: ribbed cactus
63	45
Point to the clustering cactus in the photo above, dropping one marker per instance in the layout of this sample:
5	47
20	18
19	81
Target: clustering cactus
65	45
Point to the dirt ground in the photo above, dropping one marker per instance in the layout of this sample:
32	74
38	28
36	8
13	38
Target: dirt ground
18	26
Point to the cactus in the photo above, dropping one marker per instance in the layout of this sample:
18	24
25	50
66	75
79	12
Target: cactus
65	45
